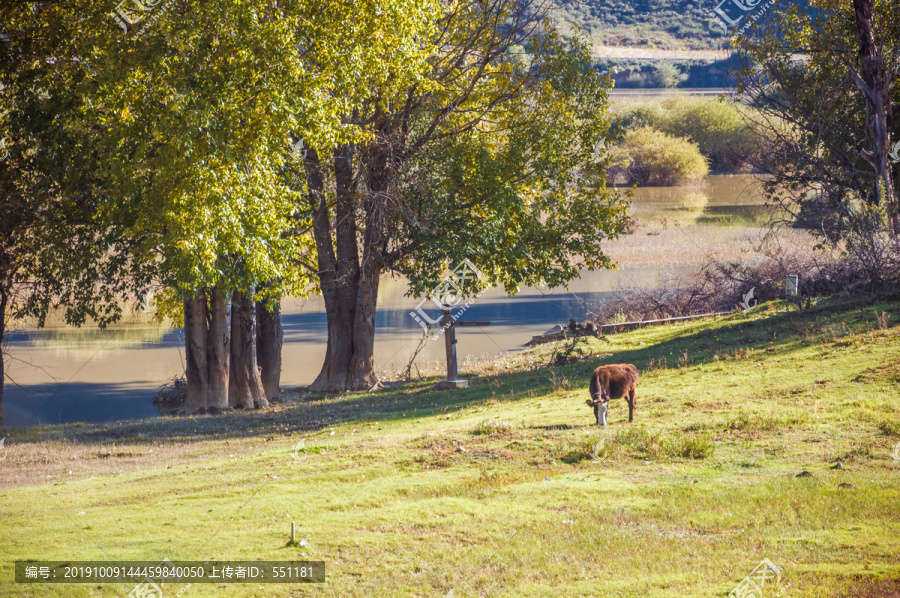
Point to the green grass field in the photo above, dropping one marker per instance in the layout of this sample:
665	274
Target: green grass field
507	488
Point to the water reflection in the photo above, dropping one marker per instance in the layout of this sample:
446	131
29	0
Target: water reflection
66	374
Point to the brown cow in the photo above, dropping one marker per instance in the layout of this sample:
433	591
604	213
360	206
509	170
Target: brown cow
613	382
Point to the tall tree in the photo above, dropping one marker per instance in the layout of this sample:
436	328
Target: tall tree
54	253
823	82
875	71
195	106
489	158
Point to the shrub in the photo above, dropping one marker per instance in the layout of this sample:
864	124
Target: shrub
665	75
716	126
722	286
648	157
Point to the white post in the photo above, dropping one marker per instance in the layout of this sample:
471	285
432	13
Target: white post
791	284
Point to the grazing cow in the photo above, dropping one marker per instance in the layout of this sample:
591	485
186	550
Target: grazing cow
613	382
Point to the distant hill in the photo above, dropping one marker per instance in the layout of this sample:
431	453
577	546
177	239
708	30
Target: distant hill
662	24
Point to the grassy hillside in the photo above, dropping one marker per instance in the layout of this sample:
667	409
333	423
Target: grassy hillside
507	488
664	24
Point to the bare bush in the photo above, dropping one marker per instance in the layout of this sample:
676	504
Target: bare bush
866	264
675	296
171	395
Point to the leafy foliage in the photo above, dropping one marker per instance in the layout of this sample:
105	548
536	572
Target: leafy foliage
54	251
719	128
191	119
649	157
812	115
522	194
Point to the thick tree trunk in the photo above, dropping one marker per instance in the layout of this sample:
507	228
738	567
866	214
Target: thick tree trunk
377	208
338	271
350	283
245	385
269	340
206	346
218	349
196	336
362	362
875	79
334	375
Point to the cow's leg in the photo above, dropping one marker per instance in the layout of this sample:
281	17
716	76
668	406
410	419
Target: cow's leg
632	403
597	414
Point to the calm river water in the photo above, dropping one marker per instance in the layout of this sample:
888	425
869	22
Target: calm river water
64	374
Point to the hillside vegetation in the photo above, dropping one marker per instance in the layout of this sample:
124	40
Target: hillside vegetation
681	138
668	24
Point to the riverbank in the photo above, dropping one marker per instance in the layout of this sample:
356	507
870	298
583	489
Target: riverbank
65	374
506	488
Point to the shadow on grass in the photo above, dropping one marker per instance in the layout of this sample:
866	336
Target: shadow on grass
700	341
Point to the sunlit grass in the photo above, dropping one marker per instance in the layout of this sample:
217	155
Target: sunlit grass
506	488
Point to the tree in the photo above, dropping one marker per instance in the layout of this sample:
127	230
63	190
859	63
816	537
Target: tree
878	60
194	110
489	158
54	254
826	119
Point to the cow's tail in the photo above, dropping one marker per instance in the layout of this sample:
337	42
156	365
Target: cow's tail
595	388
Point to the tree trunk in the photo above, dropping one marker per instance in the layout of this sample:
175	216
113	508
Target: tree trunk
334	375
362	363
875	79
196	336
349	284
338	271
269	340
377	207
4	304
218	349
245	385
206	346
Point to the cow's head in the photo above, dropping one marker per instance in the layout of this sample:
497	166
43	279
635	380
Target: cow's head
601	413
603	397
